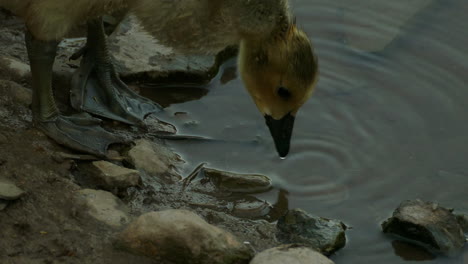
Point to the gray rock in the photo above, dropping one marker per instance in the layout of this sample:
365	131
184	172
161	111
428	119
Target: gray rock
180	236
112	176
290	254
9	191
427	224
321	234
105	207
234	182
130	45
155	159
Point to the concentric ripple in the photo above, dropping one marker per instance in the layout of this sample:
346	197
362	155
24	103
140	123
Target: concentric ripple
388	121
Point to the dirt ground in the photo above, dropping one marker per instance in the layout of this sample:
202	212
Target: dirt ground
49	224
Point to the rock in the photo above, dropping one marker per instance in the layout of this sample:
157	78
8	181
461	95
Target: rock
290	254
233	182
321	234
129	45
16	92
16	66
9	191
105	207
427	224
463	222
155	159
112	176
180	236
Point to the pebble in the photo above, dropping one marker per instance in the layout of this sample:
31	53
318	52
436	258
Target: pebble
155	159
9	191
113	176
180	236
105	207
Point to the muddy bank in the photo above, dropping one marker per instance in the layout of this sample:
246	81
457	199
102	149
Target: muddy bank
59	205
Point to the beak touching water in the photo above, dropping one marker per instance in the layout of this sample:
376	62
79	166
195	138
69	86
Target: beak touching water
281	131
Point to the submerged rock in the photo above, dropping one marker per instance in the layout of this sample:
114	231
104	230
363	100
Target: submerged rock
427	224
180	236
105	207
321	234
9	191
155	159
129	45
234	182
112	176
251	208
290	254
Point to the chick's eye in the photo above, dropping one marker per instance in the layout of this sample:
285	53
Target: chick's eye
284	92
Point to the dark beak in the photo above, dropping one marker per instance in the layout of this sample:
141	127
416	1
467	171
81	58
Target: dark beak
281	131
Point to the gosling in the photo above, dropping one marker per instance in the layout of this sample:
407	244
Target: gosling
276	60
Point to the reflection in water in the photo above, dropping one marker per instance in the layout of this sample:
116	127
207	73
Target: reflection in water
165	95
280	207
411	252
388	121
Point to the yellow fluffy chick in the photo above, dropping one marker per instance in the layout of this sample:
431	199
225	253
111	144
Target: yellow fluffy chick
276	60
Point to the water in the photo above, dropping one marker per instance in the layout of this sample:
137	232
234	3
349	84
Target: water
388	121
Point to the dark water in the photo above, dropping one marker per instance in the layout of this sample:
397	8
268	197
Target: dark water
388	121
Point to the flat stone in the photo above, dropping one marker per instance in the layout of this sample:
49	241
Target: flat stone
234	182
180	236
290	254
105	207
427	224
114	176
9	191
321	234
155	159
130	46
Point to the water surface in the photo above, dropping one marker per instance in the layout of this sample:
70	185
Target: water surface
388	121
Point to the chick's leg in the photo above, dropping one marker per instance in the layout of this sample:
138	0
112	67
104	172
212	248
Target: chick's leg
97	89
80	132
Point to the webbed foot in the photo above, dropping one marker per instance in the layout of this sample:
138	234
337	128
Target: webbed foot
80	132
97	89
